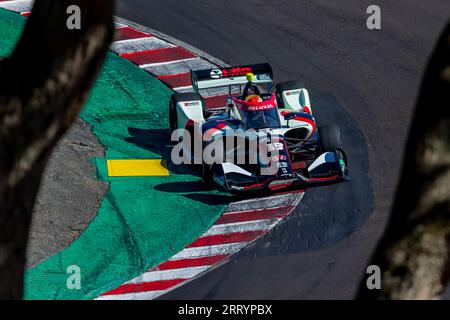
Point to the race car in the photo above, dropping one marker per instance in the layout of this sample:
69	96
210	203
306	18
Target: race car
280	145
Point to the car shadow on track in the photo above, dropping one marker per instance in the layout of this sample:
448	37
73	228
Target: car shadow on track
158	141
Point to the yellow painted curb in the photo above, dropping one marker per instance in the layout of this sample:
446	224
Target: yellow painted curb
137	167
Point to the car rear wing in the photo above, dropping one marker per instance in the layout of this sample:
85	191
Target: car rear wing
231	76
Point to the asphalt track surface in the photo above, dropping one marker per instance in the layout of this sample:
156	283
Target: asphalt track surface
364	81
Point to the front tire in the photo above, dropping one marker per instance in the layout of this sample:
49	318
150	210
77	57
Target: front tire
330	138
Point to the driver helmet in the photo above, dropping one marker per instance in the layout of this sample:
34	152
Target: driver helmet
253	98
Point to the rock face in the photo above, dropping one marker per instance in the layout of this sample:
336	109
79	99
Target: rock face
69	196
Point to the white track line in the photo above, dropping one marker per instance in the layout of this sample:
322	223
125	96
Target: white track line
181	273
148	295
182	89
255	204
156	64
178	67
208	251
140	44
254	225
176	42
255	210
118	24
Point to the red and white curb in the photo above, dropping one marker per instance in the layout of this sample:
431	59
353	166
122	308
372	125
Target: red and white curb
171	61
242	223
21	6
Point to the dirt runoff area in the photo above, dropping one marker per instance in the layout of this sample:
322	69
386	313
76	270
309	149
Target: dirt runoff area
69	196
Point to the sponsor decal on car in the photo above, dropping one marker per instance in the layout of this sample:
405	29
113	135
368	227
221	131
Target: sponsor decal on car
191	103
275	146
292	93
282	164
279	158
216	73
263	77
258	108
230	72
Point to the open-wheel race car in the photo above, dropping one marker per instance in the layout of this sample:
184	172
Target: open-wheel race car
268	136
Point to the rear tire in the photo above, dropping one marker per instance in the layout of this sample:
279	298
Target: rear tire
286	86
330	138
